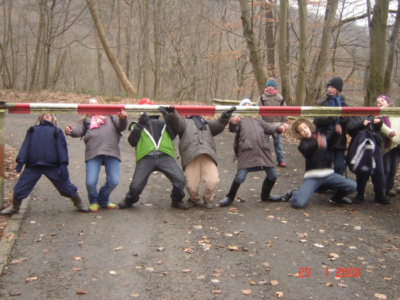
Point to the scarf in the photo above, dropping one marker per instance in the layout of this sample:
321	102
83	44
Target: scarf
334	101
268	93
199	121
96	121
386	121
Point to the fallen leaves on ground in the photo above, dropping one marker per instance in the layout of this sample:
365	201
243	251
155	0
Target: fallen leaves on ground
279	294
274	282
118	248
232	248
246	292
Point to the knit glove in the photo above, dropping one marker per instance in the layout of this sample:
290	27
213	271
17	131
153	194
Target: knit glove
63	171
144	118
227	114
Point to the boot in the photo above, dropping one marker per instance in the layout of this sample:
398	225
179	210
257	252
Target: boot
79	204
231	195
12	209
288	195
179	205
358	198
124	204
338	197
266	190
380	198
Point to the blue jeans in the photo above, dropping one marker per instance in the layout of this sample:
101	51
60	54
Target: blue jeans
271	173
92	177
310	185
390	163
277	146
30	177
338	159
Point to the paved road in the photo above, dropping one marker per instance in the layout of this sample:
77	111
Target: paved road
152	251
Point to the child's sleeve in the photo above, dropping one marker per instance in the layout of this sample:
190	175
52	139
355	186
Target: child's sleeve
62	148
78	130
177	123
121	124
233	127
22	156
386	130
135	135
331	139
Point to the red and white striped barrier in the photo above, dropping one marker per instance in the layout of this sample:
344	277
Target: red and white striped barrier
110	109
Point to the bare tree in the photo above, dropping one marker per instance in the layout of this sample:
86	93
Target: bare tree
107	48
303	63
282	43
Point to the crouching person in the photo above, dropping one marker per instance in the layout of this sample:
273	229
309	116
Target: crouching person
316	149
152	139
253	154
44	152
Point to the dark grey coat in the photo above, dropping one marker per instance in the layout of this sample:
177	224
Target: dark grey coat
254	150
194	142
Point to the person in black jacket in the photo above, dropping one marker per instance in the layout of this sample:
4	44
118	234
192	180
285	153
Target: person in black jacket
316	149
152	139
325	125
44	152
354	126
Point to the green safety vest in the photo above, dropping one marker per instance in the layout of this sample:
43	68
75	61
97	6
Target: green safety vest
147	143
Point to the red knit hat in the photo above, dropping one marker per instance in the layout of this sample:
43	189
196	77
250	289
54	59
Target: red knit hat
145	101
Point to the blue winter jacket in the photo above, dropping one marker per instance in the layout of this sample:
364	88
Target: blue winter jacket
44	145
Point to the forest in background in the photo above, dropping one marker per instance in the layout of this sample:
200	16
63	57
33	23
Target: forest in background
198	50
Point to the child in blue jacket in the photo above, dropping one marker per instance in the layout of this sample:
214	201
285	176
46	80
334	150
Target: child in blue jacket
44	152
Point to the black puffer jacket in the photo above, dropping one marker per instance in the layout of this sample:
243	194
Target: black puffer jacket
356	124
317	158
322	123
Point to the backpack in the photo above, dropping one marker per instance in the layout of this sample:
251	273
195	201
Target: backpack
360	154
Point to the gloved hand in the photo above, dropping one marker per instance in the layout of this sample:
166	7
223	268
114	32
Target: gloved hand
167	110
19	167
143	119
63	171
227	114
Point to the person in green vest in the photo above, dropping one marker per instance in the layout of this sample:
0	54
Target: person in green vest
152	139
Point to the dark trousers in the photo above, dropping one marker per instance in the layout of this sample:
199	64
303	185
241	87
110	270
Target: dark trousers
377	178
390	164
162	163
30	176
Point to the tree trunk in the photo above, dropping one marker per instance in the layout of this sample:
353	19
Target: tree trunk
49	42
252	45
323	57
128	41
107	48
283	67
270	41
303	63
378	50
391	54
157	9
37	47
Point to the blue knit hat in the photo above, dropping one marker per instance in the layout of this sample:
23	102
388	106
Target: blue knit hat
244	101
271	82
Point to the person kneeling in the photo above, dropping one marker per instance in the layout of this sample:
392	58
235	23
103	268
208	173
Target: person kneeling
316	149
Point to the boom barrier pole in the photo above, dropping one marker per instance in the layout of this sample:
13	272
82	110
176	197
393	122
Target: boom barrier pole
110	109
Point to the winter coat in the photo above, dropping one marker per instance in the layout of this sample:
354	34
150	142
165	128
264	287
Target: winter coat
322	123
395	141
162	133
44	145
317	158
103	140
354	125
272	100
194	142
253	150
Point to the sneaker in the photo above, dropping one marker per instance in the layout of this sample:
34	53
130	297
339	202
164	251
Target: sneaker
287	196
111	206
282	164
123	204
94	207
190	202
208	205
358	199
390	192
342	200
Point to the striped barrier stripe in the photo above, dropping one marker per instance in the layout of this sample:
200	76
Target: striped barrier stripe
205	110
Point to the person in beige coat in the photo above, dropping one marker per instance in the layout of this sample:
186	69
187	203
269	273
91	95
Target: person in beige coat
253	154
199	152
